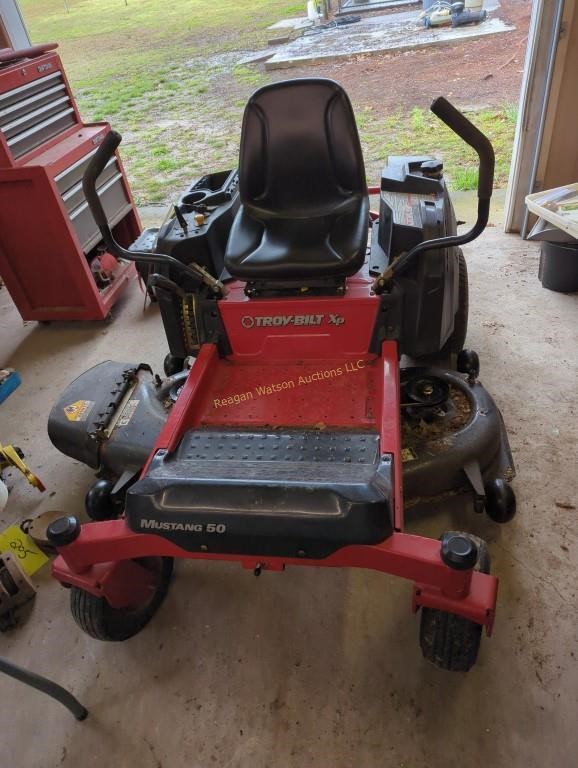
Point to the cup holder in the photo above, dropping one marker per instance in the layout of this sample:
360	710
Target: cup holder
218	198
194	198
207	197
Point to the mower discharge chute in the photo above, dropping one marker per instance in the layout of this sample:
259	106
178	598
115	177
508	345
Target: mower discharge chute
285	432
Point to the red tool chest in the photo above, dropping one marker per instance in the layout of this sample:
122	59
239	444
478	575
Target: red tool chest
48	237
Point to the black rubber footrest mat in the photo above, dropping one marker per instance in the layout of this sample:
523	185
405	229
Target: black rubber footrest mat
312	445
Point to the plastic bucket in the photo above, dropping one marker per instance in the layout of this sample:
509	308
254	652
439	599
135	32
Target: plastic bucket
558	269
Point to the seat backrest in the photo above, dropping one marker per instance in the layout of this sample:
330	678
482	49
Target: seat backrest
300	154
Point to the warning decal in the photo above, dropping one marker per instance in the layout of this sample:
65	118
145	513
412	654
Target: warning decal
128	413
406	207
79	410
408	454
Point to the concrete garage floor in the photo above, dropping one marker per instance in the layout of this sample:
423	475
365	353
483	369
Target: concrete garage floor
316	668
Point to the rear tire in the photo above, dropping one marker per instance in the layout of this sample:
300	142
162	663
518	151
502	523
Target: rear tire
456	341
449	641
99	620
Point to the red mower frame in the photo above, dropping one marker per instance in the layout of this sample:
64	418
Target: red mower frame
103	558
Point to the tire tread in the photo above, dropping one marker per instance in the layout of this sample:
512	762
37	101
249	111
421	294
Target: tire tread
102	622
449	641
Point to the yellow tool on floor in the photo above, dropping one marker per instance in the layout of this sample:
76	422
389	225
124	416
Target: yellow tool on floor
11	457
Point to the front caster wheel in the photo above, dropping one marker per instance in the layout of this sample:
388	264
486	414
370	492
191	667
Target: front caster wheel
96	617
500	500
449	641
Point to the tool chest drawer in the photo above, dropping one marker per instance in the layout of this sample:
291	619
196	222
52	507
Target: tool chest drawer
110	189
35	112
115	203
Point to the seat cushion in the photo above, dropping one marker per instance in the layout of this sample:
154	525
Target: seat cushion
305	210
261	247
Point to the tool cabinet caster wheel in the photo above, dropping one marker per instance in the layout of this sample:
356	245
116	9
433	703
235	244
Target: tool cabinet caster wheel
500	500
173	365
99	620
469	362
449	641
98	502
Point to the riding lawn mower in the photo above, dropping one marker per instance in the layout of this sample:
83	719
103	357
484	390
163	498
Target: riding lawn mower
285	432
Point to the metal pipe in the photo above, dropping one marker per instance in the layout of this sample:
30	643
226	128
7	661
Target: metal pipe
44	685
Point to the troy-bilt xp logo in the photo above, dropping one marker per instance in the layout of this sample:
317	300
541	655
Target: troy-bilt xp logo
281	321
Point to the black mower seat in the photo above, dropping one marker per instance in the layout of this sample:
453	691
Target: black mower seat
286	493
304	205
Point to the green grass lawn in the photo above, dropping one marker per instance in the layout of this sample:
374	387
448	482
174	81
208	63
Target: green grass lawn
420	132
166	75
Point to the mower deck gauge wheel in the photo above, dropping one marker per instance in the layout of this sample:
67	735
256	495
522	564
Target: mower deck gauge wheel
500	500
99	503
173	365
469	362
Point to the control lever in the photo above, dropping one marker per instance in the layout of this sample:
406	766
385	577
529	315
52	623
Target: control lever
181	219
93	170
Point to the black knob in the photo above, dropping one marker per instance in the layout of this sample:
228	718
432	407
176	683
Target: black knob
64	530
459	551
